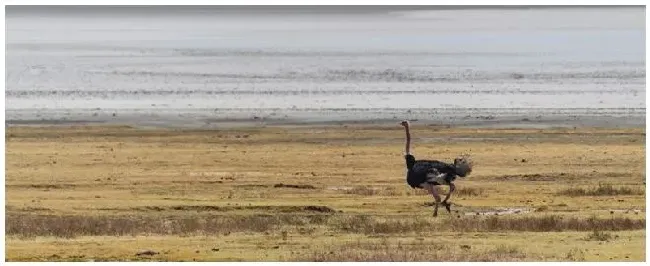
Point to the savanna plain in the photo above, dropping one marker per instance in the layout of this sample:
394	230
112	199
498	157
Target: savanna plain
321	193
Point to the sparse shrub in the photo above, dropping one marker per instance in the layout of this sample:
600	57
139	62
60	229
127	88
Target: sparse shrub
386	252
377	191
549	223
575	254
597	235
370	225
469	192
416	192
391	191
362	190
603	189
306	230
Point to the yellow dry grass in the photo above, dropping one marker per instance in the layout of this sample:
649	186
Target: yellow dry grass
321	193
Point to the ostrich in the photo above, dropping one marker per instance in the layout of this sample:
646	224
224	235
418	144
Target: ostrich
429	174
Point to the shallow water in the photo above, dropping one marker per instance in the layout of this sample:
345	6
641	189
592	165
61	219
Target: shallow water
342	64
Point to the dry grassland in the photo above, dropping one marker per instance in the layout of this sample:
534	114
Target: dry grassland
332	193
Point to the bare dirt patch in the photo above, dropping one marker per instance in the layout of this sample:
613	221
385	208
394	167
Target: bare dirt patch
499	211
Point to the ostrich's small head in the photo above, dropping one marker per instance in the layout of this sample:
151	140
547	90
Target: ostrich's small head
463	165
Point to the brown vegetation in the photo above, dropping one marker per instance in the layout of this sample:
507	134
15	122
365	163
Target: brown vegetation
603	189
598	235
73	226
412	252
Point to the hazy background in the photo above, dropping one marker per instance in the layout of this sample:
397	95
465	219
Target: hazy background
198	65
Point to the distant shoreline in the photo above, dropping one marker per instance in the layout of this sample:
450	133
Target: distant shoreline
199	118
